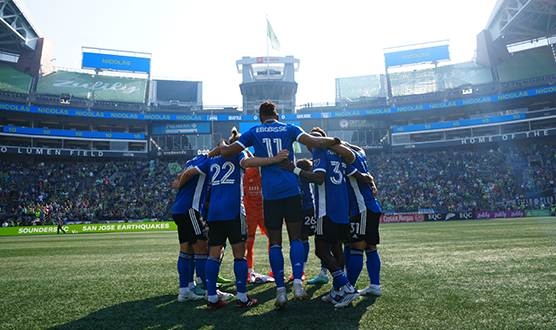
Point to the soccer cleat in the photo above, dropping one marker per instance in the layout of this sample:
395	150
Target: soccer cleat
319	280
182	298
302	277
217	305
223	280
249	303
281	299
372	289
298	292
333	300
198	290
347	299
225	296
194	296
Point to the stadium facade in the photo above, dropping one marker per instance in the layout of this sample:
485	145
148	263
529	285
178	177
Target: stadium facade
50	115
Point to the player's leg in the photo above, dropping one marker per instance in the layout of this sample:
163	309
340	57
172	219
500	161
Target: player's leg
358	244
189	238
328	238
294	222
373	259
237	237
218	235
273	219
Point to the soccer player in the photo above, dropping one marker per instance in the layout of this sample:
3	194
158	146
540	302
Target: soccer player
364	222
253	202
281	192
226	220
309	222
191	228
332	212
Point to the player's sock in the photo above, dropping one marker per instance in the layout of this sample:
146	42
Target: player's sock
297	257
355	265
249	246
276	259
183	269
307	248
192	268
340	280
373	265
347	255
200	266
212	270
240	270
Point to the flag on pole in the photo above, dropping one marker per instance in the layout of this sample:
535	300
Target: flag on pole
273	40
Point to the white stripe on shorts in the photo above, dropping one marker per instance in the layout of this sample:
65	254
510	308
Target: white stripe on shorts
194	221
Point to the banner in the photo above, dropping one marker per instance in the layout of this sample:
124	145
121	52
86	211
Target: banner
537	213
116	62
70	152
546	197
391	218
181	128
464	215
499	214
89	228
412	56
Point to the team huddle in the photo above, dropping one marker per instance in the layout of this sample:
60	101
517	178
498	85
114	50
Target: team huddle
342	202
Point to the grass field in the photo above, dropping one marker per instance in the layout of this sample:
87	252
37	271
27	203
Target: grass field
492	274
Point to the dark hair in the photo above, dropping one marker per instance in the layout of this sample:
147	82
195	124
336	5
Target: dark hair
319	131
235	135
304	164
267	109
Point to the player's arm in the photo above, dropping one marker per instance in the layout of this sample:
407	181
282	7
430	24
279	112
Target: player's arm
264	161
229	150
363	177
214	152
317	141
343	151
352	146
184	177
314	177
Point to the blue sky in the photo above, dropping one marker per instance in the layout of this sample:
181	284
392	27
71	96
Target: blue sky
202	40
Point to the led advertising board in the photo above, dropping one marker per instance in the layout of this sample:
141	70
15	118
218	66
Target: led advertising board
116	62
412	56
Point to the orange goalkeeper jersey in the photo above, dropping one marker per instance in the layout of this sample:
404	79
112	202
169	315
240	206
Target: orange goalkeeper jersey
252	193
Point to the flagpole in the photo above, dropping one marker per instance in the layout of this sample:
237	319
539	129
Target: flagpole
267	54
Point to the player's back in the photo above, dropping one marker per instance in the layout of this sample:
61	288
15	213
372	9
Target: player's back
190	194
331	196
267	140
226	181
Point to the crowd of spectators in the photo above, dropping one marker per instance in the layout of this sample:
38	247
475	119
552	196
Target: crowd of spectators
42	194
446	180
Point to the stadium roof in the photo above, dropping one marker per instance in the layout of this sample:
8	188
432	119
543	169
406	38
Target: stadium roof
514	21
17	29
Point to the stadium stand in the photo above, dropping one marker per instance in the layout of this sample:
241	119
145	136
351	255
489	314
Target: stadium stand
13	81
433	80
353	88
527	64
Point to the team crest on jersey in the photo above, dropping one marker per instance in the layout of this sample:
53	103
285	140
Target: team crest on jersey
316	162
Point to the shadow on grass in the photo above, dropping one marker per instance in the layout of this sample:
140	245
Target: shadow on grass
164	312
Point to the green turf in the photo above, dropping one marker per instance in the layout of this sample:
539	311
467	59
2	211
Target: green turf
492	274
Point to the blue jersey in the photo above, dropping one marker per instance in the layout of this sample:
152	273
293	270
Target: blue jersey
226	186
267	140
331	197
306	194
360	193
191	195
